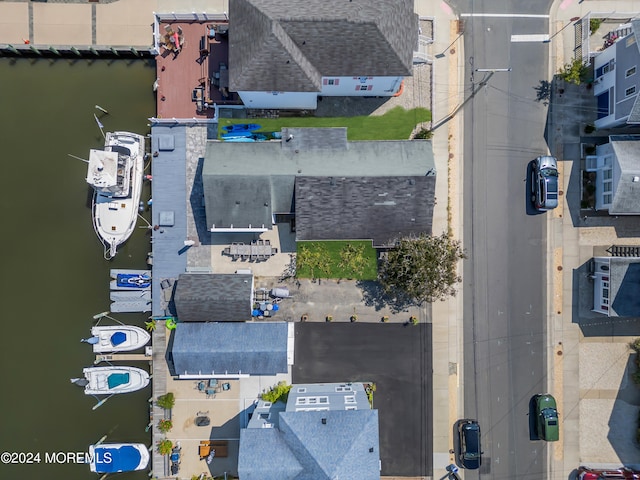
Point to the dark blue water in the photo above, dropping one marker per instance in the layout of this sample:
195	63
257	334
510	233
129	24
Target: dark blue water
54	278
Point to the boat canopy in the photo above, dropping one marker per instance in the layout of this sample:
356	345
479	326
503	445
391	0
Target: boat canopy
110	172
118	338
117	379
125	458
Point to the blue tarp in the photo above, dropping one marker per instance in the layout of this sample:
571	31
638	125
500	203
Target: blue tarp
109	460
117	379
118	338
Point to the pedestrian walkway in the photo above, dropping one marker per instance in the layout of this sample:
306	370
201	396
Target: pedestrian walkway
97	23
588	370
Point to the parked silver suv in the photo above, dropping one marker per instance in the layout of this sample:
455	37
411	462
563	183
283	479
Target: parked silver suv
544	183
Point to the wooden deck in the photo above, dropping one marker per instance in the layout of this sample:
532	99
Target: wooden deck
180	72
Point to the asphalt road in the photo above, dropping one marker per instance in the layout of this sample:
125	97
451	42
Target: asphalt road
397	359
505	274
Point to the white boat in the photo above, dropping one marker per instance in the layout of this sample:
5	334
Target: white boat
118	457
115	174
113	379
117	338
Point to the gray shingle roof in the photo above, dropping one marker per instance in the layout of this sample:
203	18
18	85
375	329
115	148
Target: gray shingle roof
624	284
277	45
233	347
233	171
378	208
214	297
346	446
626	198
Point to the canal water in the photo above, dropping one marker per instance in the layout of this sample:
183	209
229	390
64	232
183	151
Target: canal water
54	278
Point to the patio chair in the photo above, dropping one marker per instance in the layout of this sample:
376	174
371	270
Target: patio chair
201	386
267	242
213	383
211	392
179	30
226	386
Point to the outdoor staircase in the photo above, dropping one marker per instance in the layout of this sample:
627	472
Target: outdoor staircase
624	250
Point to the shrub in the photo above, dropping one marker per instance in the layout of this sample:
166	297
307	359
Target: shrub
413	320
165	425
277	392
574	72
385	319
589	128
165	446
354	318
594	24
329	318
166	401
151	325
424	134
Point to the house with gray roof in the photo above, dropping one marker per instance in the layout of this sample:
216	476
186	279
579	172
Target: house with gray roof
231	349
203	297
617	168
326	431
331	188
616	282
616	83
284	53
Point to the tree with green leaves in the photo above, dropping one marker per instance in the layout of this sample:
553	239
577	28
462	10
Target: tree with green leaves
574	72
422	267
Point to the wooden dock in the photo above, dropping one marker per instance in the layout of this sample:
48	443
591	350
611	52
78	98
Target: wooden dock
123	357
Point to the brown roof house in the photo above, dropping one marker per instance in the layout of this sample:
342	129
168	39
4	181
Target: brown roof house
284	54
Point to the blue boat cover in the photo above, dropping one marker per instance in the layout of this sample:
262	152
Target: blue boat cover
109	460
117	379
118	338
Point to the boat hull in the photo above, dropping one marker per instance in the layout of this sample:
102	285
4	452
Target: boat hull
114	380
110	339
118	457
115	218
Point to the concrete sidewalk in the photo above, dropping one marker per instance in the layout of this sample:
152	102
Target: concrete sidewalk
114	23
588	352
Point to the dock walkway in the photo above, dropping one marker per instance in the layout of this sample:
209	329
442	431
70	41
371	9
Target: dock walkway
100	24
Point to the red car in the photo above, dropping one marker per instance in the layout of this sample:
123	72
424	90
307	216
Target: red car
623	473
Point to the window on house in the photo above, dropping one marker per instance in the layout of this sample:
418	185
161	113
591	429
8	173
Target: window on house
606	198
267	404
343	388
631	39
349	399
630	71
323	399
302	390
630	91
350	407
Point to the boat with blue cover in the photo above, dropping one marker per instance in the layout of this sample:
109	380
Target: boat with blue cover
118	457
112	380
241	127
117	338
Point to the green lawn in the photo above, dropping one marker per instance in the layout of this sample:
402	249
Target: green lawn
332	258
396	124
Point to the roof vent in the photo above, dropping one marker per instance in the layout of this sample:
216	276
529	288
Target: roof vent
371	450
324	421
636	179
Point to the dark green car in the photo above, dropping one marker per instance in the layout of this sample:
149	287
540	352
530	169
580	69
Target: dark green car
547	418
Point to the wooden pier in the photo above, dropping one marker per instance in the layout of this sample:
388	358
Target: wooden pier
124	357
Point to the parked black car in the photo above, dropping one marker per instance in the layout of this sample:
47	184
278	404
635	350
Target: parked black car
470	455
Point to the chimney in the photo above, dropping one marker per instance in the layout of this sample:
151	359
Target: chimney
324	421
